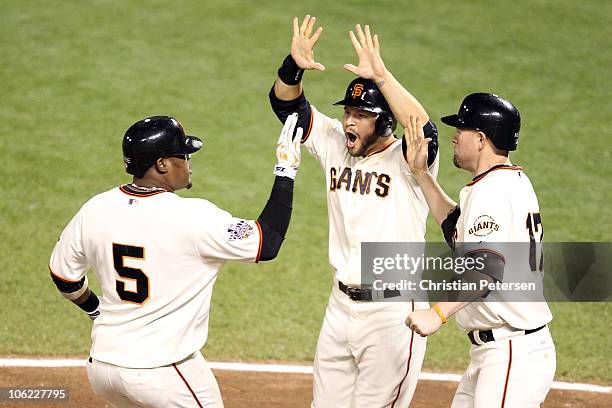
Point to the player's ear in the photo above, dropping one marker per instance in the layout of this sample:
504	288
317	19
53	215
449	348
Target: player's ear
162	166
482	140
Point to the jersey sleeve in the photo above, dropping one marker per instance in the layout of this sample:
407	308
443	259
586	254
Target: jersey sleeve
323	131
68	261
222	237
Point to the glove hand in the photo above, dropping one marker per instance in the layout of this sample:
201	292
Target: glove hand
288	149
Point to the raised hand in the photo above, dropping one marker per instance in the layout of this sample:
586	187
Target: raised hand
416	152
371	65
303	42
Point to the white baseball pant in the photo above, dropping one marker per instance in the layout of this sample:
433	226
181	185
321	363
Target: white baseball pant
513	373
366	356
188	383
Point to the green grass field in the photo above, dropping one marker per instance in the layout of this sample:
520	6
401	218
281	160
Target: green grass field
76	74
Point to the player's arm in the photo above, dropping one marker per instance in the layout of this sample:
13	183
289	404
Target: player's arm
428	321
444	210
274	219
287	96
80	294
288	85
489	261
371	66
68	266
402	102
222	237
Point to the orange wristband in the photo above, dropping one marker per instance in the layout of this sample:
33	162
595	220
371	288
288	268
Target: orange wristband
439	312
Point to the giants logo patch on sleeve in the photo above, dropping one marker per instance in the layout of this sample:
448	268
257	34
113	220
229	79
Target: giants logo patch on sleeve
240	230
483	226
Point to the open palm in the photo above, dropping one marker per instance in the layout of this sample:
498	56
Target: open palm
417	144
371	65
303	42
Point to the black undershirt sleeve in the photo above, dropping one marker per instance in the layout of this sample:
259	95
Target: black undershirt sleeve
283	109
275	217
89	305
67	287
448	226
490	268
493	262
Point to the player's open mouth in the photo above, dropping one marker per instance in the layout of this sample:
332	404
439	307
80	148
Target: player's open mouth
351	138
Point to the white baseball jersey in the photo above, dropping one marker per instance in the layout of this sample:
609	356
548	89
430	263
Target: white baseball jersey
156	256
500	206
369	199
365	346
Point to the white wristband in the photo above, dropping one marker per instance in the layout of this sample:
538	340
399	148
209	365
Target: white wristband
285	171
94	314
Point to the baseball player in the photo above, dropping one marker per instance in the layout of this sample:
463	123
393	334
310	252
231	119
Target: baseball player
365	356
156	256
513	355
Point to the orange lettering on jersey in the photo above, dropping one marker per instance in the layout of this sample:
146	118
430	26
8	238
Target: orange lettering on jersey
357	91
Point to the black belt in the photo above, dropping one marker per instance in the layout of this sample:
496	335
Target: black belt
486	336
365	295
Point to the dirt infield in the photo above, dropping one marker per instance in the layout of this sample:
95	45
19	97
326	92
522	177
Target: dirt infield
256	390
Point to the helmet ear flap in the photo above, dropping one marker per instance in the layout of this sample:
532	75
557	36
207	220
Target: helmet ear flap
385	124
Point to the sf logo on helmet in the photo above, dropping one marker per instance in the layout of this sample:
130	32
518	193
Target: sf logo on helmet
357	90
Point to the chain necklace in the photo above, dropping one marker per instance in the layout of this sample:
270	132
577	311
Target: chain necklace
136	186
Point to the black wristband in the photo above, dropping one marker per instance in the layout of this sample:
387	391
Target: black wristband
289	72
91	303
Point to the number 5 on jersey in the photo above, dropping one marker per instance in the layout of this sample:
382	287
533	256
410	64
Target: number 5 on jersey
142	281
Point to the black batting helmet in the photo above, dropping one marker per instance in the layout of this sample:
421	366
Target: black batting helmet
153	138
364	94
491	114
